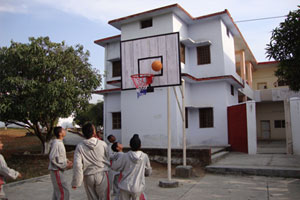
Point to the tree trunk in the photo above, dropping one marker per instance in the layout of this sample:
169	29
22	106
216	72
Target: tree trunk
46	147
38	133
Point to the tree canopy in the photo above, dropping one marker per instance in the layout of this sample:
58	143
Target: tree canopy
93	114
284	47
41	81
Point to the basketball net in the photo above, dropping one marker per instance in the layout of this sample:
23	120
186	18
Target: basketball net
141	83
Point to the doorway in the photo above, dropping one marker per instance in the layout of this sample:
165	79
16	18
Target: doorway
265	129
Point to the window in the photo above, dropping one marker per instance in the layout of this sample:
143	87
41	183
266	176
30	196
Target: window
186	118
146	23
227	31
116	120
203	55
232	90
206	117
261	86
116	68
182	53
279	123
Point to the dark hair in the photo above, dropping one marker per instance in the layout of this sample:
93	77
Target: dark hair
114	147
135	142
110	136
88	130
57	130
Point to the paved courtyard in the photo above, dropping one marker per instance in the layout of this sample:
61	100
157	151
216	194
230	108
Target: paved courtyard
210	186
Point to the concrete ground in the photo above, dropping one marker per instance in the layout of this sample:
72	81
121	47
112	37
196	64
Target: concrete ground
210	186
280	165
271	147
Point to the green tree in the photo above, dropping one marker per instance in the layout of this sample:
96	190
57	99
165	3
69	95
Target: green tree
93	113
41	81
284	47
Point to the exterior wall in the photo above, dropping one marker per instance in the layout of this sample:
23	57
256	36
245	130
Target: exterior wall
265	74
201	95
204	31
251	127
147	116
112	52
295	125
228	51
270	111
181	27
112	103
247	91
160	24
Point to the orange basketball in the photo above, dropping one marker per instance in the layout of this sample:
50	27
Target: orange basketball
157	65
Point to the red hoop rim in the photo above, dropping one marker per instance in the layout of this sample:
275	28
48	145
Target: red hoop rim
142	81
141	75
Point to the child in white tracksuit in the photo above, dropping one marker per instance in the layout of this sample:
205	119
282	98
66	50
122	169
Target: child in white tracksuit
118	152
91	165
58	164
5	172
134	165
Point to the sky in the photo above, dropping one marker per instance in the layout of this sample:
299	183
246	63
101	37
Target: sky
83	22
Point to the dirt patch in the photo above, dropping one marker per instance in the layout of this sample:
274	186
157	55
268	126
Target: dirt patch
16	141
15	144
160	170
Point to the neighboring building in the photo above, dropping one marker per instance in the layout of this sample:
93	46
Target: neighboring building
220	72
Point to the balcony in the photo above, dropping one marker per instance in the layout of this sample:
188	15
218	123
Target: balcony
275	94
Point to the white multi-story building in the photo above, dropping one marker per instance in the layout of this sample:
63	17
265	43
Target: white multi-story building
218	68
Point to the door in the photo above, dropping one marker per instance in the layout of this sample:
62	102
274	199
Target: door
265	129
237	128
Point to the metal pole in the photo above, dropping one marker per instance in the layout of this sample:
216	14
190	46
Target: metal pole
183	124
169	134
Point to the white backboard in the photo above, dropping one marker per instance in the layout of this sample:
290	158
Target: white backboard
137	56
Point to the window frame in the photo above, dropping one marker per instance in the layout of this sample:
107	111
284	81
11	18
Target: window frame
116	73
279	123
263	84
207	122
182	53
116	120
147	23
203	55
232	90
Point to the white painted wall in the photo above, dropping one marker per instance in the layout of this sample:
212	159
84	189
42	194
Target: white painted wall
112	103
112	52
161	24
218	96
147	116
295	124
251	127
203	31
247	90
228	51
181	27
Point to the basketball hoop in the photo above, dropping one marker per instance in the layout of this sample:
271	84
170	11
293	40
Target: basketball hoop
141	82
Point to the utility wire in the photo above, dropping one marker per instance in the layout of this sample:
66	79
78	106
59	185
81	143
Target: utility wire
257	19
